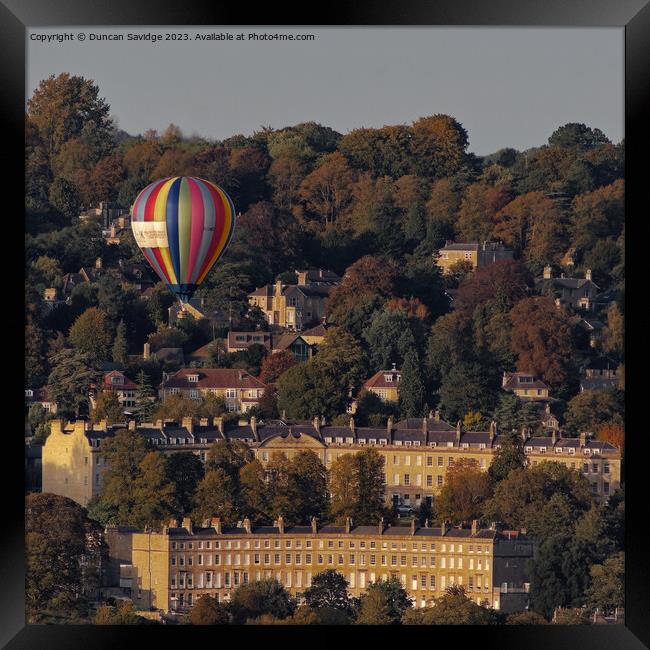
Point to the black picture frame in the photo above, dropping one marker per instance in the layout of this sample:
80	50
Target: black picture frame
17	15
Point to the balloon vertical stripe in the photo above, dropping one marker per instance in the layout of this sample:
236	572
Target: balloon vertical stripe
183	226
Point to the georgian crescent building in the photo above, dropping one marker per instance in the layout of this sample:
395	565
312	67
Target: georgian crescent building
416	452
170	570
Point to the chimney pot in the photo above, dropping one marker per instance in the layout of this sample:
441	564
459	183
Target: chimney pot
381	526
131	425
352	425
247	525
314	525
474	526
281	524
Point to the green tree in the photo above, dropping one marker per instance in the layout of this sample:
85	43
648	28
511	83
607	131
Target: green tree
60	554
411	389
606	591
120	344
467	387
184	470
70	378
153	492
258	598
329	589
122	614
216	496
526	618
255	496
123	454
107	407
90	334
383	603
453	608
508	457
575	135
144	397
589	410
523	498
208	611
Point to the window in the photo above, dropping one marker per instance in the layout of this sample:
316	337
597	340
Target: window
440	480
407	479
193	379
429	461
440	461
429	480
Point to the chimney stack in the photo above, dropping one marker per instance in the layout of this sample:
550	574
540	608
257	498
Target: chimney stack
131	425
583	439
443	528
146	352
458	431
215	523
474	527
547	272
188	423
524	434
380	527
159	424
187	524
253	424
493	430
203	422
316	423
98	263
247	525
314	525
278	287
425	425
389	429
284	415
588	274
348	524
281	524
436	415
426	523
352	425
413	526
218	422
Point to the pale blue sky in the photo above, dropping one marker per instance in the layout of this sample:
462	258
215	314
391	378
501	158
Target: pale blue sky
509	87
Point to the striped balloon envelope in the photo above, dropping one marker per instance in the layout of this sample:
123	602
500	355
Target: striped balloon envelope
182	225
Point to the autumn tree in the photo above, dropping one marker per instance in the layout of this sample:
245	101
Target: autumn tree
614	433
274	365
366	278
541	340
478	209
465	491
438	146
531	225
326	191
357	486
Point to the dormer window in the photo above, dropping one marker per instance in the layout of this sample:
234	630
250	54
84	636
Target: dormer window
450	444
482	445
542	450
29	393
117	380
433	444
558	450
465	445
373	441
587	452
398	443
349	441
388	379
362	441
382	441
339	440
399	377
528	450
193	379
416	443
408	443
328	440
526	379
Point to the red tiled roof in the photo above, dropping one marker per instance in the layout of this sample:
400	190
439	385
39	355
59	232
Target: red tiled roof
127	385
378	380
212	378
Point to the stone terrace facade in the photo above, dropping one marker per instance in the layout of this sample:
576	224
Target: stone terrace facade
417	452
171	569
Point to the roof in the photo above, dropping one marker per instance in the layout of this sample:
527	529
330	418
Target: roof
204	352
285	341
126	385
212	378
513	380
601	363
378	380
460	246
563	283
319	330
320	275
169	354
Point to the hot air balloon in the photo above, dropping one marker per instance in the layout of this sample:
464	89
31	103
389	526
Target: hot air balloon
182	225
